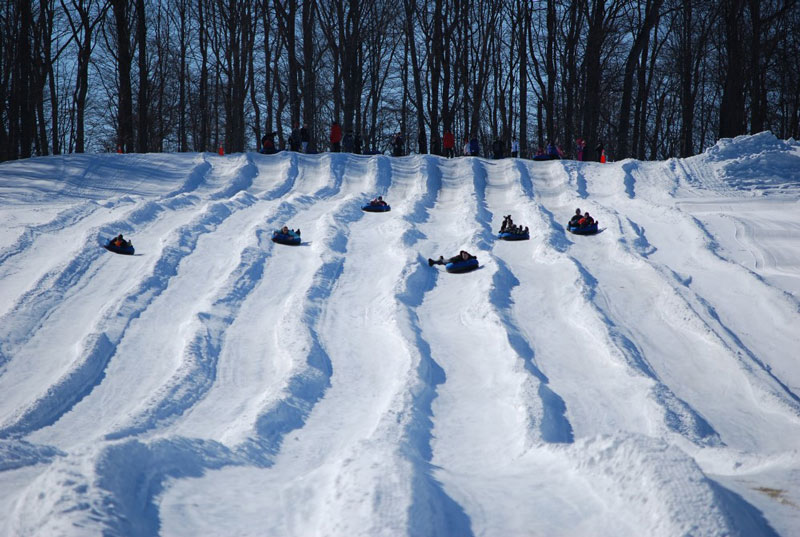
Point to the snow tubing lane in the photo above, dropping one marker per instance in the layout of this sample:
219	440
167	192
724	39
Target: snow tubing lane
462	266
376	208
590	230
283	238
514	236
124	250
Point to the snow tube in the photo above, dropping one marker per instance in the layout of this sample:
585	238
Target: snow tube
292	239
370	208
545	157
462	266
588	230
124	250
508	236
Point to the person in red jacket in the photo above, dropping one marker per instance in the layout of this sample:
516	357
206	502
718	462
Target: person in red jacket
336	137
449	144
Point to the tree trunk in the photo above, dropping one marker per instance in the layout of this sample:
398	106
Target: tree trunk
183	44
594	75
524	25
422	140
687	97
732	107
757	89
652	13
124	61
550	69
309	77
287	16
202	141
143	132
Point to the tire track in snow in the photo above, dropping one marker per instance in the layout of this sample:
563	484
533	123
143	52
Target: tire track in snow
308	384
306	387
553	424
66	218
197	371
99	346
749	360
34	306
131	474
433	511
198	368
556	237
704	310
678	415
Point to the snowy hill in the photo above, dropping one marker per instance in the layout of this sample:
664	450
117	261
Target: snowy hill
642	381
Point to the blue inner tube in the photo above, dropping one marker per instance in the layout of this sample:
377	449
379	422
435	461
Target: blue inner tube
376	208
588	230
292	239
514	236
462	266
124	250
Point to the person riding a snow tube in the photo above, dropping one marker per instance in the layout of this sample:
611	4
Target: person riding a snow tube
585	225
119	245
376	206
512	232
287	236
515	235
463	262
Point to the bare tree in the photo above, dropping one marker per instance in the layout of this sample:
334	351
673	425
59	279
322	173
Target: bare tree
143	122
651	16
89	14
309	79
124	57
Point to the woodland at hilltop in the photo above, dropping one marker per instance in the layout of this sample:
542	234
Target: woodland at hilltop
652	79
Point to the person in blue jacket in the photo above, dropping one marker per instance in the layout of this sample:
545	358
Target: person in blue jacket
474	147
552	151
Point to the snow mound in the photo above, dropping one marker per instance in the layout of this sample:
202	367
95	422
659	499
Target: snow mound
759	163
663	489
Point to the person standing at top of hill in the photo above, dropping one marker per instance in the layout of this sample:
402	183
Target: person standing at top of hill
514	147
397	145
268	144
294	137
449	144
599	151
552	151
474	147
347	141
305	138
497	149
336	137
580	144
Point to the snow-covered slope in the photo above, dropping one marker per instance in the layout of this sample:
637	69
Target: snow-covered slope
642	381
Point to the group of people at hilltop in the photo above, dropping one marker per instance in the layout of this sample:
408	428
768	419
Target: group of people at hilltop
352	142
298	141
